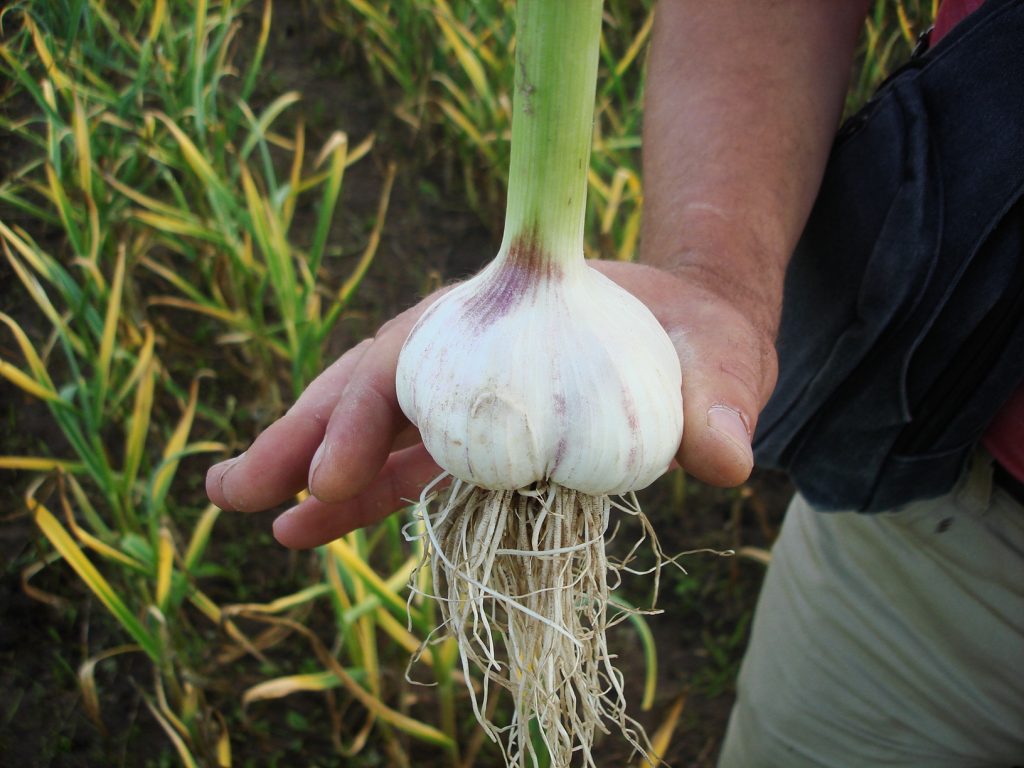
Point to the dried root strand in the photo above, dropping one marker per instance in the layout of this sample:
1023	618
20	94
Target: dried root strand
522	581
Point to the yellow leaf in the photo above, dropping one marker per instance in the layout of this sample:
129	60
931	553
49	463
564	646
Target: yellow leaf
663	736
80	130
282	604
901	15
350	285
328	150
156	19
87	681
141	364
224	740
145	201
216	616
285	686
109	336
469	62
35	257
35	290
220	313
46	57
177	225
597	184
179	744
261	125
175	445
630	235
402	636
164	568
95	544
376	707
38	464
73	556
200	536
461	121
295	175
135	441
64	207
614	199
28	350
26	383
359	567
636	46
196	160
368	10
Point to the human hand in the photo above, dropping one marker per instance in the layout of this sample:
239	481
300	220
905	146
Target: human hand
347	440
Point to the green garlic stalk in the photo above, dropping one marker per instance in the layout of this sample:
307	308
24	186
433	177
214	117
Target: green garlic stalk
541	387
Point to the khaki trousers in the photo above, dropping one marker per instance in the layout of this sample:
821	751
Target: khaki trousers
889	640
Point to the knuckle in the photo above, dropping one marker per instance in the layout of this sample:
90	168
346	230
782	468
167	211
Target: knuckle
746	377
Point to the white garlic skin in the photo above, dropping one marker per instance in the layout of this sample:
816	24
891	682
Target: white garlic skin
528	373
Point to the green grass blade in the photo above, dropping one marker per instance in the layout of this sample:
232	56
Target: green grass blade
649	647
261	46
259	129
199	40
337	149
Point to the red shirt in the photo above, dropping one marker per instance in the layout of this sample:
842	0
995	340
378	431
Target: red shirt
1005	436
951	12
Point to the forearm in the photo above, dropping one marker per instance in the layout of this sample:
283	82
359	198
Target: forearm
743	100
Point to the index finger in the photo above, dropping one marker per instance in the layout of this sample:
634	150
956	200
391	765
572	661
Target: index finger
274	467
361	432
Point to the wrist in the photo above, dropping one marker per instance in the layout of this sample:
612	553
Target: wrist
724	258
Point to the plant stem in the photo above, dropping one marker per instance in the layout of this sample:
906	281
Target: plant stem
557	48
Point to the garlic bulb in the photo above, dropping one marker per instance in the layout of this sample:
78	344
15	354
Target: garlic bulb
592	400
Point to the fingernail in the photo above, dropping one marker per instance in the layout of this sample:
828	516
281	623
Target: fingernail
226	467
281	521
314	464
730	423
285	528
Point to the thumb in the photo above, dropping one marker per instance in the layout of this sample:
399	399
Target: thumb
729	370
725	341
